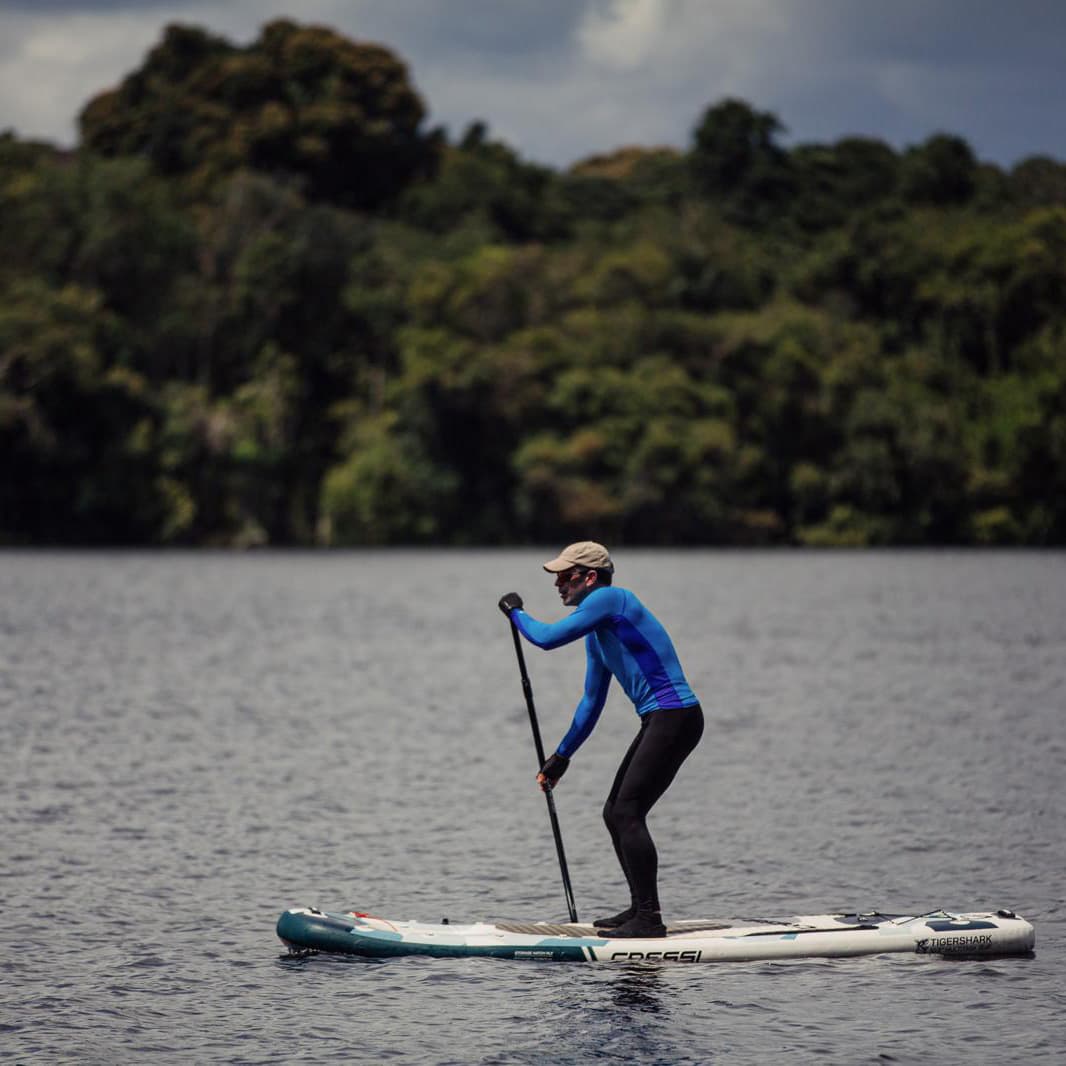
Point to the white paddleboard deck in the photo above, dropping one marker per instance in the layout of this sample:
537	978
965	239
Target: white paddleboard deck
978	934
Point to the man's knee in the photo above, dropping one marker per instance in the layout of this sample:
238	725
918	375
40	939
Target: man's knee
622	815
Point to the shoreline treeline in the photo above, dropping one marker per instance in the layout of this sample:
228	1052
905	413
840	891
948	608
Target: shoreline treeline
263	303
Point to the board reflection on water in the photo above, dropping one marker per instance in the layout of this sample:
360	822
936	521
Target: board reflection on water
639	988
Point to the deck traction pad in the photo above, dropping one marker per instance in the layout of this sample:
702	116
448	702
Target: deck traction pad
567	929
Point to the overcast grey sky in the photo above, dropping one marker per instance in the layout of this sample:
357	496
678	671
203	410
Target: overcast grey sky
563	79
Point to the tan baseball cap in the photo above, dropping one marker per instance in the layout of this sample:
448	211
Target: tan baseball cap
586	553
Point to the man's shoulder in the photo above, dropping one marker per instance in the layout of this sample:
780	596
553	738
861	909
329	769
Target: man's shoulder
608	599
607	594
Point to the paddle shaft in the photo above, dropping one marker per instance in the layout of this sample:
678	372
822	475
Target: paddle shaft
527	690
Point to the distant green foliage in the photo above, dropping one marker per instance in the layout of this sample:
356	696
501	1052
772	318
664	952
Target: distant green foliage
261	305
301	102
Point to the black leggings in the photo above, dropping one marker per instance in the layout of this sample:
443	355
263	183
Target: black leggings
665	740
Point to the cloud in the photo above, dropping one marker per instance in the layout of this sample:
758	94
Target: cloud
488	31
49	68
95	7
621	35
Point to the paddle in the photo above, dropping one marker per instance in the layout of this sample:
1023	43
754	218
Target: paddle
527	689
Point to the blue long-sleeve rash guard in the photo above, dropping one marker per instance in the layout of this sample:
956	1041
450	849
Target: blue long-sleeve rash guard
622	639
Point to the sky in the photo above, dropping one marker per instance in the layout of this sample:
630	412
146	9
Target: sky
560	80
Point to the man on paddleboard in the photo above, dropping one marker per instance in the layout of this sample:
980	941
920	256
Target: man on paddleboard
623	639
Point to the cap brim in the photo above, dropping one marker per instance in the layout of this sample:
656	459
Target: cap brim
557	566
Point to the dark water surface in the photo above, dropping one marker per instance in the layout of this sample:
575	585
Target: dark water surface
191	743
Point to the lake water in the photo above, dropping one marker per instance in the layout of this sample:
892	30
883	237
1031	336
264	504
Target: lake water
191	743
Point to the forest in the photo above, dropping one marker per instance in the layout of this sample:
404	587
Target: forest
263	302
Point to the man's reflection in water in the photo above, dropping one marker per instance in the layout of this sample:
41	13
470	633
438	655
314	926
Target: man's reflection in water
638	986
621	1012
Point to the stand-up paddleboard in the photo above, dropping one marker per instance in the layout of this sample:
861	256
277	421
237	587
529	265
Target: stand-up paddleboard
969	935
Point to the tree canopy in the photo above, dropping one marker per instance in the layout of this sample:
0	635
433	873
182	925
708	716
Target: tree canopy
300	102
260	303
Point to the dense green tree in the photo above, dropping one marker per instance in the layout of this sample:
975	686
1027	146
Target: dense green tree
605	188
1038	181
386	489
735	158
484	181
835	182
300	102
77	435
941	171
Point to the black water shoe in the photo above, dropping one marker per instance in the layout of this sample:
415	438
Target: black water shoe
616	920
643	924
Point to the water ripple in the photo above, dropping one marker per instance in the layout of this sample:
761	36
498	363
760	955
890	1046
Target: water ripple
192	742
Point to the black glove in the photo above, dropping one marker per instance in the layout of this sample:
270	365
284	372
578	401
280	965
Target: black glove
555	767
511	602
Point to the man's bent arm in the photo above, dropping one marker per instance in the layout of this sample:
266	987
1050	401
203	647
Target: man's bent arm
593	611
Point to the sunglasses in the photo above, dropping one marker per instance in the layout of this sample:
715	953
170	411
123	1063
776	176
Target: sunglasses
566	577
